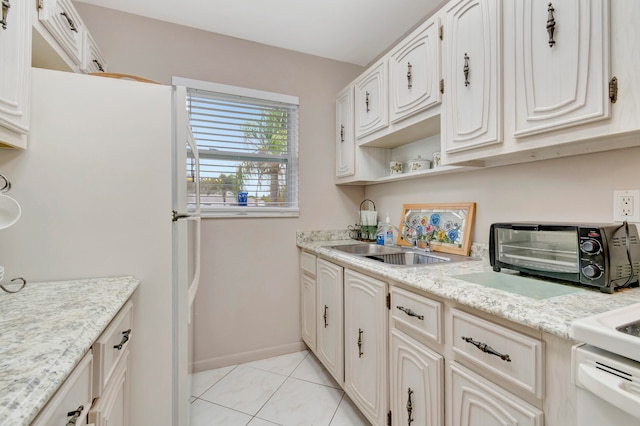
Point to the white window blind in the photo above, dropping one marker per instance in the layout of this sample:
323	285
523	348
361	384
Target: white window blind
246	144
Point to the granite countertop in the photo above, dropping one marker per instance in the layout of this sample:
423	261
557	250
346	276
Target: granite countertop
45	330
552	315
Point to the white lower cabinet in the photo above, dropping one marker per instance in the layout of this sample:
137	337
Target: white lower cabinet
365	325
71	403
329	315
96	393
475	401
416	382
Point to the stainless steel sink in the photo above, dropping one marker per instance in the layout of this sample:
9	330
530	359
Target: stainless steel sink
367	249
400	256
408	258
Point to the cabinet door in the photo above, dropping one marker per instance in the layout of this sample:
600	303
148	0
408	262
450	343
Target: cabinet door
472	77
15	72
63	22
371	101
417	383
330	320
561	79
92	60
345	142
308	294
477	402
112	408
414	73
366	344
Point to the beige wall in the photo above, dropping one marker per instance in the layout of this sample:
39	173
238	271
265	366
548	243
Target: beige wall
248	303
569	189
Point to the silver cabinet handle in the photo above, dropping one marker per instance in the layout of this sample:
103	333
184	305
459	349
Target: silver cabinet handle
360	353
5	11
409	407
125	339
465	70
487	349
75	414
410	312
409	83
366	100
551	24
342	133
72	26
326	308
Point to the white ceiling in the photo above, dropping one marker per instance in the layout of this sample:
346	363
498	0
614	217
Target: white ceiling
354	31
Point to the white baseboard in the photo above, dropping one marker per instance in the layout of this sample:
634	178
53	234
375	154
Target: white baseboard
212	363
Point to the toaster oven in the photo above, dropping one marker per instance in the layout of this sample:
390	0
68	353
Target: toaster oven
606	256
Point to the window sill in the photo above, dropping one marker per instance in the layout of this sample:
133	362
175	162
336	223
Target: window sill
249	212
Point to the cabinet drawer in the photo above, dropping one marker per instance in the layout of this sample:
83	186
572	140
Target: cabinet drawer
63	22
74	396
110	347
308	263
416	315
482	342
475	401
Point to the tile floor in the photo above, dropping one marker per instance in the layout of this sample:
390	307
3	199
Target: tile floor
289	390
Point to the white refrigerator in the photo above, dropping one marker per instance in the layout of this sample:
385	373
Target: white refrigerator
100	184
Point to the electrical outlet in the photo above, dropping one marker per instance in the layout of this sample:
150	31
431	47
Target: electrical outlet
626	206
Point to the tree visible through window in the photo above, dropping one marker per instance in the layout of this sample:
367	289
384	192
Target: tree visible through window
245	144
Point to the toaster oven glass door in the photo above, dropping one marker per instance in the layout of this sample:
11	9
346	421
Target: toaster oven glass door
553	251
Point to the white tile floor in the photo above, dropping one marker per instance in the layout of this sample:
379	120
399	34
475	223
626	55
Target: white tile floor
289	390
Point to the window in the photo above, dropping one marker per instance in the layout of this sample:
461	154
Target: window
248	147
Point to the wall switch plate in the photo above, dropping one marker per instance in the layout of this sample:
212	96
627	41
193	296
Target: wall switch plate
626	205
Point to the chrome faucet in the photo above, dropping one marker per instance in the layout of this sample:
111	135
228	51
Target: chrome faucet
414	236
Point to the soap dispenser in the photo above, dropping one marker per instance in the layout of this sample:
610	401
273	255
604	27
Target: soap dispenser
388	236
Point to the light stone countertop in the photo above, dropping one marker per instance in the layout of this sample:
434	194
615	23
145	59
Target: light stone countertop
45	330
553	315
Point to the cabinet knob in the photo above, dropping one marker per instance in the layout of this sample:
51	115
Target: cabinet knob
5	11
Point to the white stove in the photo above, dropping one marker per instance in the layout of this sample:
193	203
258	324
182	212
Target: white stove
607	369
616	331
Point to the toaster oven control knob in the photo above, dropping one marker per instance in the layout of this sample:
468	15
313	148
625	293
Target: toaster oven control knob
592	271
590	247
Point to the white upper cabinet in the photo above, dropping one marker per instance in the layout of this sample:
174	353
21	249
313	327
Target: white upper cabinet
15	72
560	63
472	51
371	100
414	72
345	142
92	61
63	22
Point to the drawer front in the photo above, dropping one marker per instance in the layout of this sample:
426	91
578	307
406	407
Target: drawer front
483	343
112	408
308	263
417	315
110	347
63	22
73	397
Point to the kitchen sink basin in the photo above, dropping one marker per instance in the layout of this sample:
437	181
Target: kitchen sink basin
367	249
408	258
400	256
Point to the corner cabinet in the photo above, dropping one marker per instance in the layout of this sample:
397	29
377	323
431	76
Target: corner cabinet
472	46
15	72
365	325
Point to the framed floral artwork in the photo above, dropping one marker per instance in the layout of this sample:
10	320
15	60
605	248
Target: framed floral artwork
446	227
